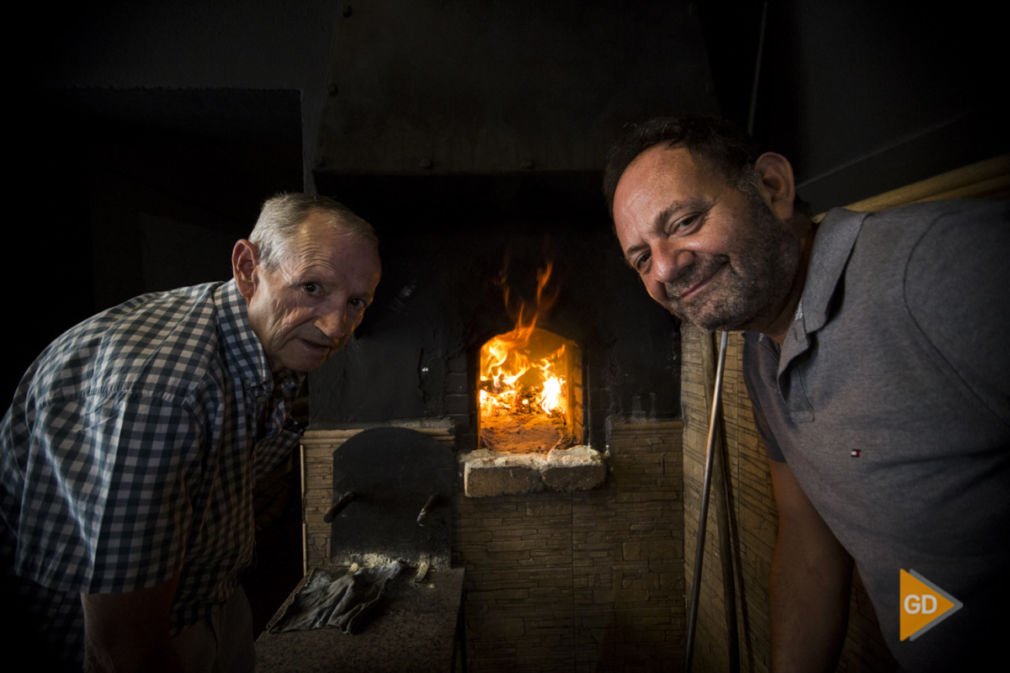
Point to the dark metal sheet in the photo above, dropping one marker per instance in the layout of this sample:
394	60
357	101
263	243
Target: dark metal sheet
393	473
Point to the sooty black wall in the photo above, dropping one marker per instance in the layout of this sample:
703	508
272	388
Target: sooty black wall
446	244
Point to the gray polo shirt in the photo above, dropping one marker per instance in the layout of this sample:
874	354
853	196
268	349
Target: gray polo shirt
891	403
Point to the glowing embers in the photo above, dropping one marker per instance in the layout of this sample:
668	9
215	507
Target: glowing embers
530	387
527	392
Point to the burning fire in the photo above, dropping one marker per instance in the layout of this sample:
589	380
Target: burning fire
522	379
513	383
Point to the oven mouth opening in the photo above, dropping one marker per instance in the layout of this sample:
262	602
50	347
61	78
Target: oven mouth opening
530	418
530	393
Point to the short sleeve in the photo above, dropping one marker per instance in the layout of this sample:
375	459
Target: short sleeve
107	508
956	285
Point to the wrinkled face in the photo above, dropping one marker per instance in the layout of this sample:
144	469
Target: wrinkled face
306	309
706	251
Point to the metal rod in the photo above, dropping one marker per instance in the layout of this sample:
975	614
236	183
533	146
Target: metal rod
305	528
699	551
728	554
728	589
426	510
703	516
332	512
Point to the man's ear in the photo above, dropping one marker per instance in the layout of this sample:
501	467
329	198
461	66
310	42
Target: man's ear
245	258
775	180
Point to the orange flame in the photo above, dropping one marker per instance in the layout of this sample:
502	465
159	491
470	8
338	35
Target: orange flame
515	380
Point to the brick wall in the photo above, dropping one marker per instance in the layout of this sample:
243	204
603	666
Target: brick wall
752	524
589	581
596	580
584	581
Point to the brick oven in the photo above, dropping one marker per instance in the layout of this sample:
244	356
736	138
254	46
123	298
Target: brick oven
472	138
569	528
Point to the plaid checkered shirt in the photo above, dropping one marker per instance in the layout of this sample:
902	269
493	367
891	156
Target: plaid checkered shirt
130	454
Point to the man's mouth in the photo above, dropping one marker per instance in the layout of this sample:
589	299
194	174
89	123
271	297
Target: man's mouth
699	281
317	346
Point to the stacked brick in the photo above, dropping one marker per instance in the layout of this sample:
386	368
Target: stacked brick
581	581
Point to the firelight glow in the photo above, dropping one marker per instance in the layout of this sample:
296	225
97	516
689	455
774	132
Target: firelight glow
521	381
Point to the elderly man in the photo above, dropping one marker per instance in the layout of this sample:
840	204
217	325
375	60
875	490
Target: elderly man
132	447
876	357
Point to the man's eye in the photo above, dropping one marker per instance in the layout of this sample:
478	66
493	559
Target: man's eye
687	222
311	288
692	222
640	262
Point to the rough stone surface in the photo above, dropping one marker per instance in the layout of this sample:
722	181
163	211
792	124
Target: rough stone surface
574	478
487	474
579	468
487	477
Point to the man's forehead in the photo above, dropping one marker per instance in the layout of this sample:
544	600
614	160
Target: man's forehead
661	174
316	223
322	236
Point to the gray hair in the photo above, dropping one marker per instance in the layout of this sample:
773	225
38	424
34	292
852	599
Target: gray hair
282	215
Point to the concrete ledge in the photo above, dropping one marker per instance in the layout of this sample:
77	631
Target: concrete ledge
485	477
487	474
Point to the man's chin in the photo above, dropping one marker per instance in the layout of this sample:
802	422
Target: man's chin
305	363
717	322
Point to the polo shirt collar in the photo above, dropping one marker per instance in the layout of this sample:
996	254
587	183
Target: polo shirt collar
833	243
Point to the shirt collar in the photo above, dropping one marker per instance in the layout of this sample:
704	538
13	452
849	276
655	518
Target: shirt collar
836	236
243	350
833	243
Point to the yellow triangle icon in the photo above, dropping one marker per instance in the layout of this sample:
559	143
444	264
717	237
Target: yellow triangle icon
923	605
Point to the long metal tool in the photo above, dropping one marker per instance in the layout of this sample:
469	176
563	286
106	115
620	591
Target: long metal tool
699	552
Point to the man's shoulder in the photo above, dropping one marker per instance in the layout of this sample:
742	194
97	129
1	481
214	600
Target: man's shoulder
889	240
922	216
159	340
155	312
959	230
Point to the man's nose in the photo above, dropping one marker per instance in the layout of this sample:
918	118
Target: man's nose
333	324
669	261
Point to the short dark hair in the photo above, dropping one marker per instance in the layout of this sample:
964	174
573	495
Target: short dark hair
724	145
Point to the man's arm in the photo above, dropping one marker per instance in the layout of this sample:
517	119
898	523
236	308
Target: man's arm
810	581
130	631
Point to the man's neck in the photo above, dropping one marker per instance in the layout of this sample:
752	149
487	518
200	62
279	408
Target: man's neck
784	318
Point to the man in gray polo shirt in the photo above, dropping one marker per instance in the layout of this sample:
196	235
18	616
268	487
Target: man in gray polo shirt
876	356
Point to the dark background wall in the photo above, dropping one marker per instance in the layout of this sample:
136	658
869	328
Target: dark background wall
148	133
464	240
